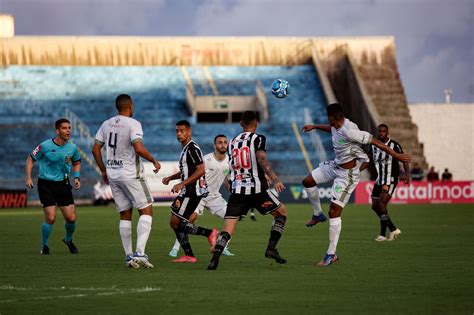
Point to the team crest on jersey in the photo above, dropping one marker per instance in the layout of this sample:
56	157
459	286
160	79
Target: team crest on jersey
67	160
267	204
36	150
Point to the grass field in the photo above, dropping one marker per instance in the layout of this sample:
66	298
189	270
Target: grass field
429	270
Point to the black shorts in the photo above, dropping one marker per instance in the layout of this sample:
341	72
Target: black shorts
185	205
378	189
53	193
239	204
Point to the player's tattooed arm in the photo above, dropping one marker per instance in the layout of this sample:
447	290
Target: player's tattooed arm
263	162
308	128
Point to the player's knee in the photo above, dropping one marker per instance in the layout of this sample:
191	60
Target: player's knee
281	212
174	225
147	211
308	181
334	211
50	220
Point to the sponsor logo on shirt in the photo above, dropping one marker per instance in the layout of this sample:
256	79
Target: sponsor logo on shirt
113	163
36	150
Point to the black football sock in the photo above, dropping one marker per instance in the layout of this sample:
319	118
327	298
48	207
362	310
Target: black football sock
183	240
221	243
390	224
384	218
278	226
190	228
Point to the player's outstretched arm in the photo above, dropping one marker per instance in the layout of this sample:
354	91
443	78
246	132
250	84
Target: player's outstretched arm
199	172
402	157
28	169
143	152
97	153
308	128
263	162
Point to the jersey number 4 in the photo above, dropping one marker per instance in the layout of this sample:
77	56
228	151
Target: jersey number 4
114	144
241	158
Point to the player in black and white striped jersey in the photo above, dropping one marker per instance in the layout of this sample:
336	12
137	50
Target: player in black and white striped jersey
388	171
191	189
249	188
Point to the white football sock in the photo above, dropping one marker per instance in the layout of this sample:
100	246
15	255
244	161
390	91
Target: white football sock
125	228
143	232
313	196
335	226
176	245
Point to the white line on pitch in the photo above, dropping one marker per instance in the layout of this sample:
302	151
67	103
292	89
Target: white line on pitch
114	292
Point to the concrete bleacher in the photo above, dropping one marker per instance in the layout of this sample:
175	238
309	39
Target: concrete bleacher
34	97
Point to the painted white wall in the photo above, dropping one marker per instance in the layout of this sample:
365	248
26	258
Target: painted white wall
7	26
447	133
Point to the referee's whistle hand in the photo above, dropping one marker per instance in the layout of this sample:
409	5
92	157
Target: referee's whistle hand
29	183
77	183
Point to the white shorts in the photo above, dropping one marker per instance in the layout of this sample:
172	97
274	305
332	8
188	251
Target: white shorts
131	193
345	180
215	204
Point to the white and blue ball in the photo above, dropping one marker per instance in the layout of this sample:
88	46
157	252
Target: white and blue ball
280	88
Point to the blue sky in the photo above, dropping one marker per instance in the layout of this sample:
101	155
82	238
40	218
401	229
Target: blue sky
434	38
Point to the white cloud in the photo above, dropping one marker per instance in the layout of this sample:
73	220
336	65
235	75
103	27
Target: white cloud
421	28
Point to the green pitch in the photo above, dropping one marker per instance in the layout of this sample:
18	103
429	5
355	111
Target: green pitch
429	269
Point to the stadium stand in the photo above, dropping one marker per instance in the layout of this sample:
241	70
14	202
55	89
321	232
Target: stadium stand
43	76
34	96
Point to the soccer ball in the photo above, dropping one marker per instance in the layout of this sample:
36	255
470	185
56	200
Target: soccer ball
280	88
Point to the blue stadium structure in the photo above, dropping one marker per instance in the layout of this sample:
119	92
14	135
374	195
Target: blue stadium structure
33	97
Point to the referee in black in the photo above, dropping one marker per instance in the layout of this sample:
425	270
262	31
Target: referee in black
388	171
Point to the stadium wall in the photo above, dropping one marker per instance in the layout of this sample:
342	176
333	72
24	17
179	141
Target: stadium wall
162	51
447	133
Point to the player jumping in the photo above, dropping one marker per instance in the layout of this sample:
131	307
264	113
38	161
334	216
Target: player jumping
343	171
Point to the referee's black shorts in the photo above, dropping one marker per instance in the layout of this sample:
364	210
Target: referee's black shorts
239	204
389	189
54	193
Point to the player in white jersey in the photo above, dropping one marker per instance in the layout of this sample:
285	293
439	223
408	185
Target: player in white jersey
217	170
123	137
343	171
